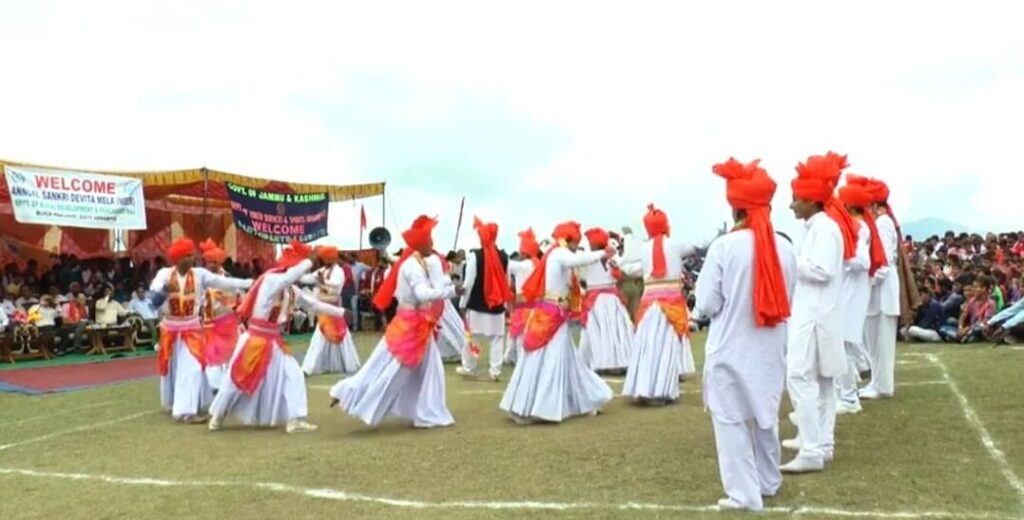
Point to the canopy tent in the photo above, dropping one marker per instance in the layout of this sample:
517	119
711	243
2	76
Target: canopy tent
192	202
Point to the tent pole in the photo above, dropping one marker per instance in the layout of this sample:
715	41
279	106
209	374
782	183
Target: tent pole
206	200
383	205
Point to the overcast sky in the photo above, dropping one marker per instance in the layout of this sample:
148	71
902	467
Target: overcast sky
536	112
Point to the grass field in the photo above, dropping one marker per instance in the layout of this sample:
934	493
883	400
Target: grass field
950	445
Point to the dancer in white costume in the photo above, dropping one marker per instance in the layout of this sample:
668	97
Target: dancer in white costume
487	294
453	337
661	346
815	353
331	349
404	376
219	319
744	289
519	272
266	386
550	382
607	339
181	358
857	292
884	307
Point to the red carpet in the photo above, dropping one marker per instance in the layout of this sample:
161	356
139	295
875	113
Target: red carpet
74	377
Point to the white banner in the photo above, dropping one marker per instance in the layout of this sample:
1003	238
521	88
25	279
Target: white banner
74	199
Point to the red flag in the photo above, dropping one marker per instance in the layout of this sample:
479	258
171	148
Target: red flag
362	217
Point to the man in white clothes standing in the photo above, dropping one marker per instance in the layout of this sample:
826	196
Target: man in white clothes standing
884	306
815	337
487	293
744	289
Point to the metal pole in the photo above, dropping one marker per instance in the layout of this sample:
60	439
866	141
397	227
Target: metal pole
206	201
383	205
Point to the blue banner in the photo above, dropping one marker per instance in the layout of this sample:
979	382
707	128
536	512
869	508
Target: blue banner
279	217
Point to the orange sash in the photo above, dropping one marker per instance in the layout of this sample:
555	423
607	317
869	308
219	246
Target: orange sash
542	322
409	334
190	331
221	338
334	328
672	304
591	298
250	366
518	322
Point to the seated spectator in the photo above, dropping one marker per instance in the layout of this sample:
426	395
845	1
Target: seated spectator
141	306
979	310
108	310
54	292
27	298
74	291
951	298
7	304
121	293
44	313
75	317
928	320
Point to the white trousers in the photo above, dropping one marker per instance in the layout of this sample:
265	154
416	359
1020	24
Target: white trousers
880	333
814	403
915	333
495	349
748	461
846	383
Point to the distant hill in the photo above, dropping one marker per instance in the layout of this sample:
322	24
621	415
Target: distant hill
924	228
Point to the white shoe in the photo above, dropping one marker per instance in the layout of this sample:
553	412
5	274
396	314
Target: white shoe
803	465
869	393
301	427
215	423
792	444
792	418
520	420
847	408
496	378
464	373
830	456
727	504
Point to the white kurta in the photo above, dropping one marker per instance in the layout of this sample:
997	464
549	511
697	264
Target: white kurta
744	368
856	293
815	352
386	388
281	396
324	357
883	312
552	383
659	355
607	341
480	323
451	341
744	365
185	390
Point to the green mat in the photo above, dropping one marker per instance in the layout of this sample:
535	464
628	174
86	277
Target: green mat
144	351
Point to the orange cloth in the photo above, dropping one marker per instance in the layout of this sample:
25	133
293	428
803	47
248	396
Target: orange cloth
542	322
212	253
518	319
597	237
528	243
409	333
250	366
816	179
334	328
672	304
327	253
181	249
290	256
656	224
857	193
221	337
416	237
749	188
496	289
191	333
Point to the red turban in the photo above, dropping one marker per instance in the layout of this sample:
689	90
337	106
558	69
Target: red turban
816	178
496	289
327	253
749	188
535	285
597	237
528	243
181	249
212	253
416	237
858	192
656	223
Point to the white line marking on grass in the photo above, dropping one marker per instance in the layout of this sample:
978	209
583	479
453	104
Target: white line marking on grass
986	439
75	430
922	383
345	496
58	412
